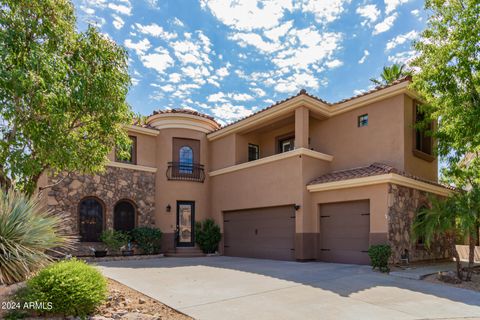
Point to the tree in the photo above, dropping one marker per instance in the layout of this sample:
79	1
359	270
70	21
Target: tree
390	74
62	93
450	219
448	79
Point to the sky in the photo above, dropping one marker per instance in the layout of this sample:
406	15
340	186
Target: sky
230	58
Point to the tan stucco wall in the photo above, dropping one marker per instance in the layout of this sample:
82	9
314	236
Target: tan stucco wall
414	165
381	141
146	150
222	152
169	192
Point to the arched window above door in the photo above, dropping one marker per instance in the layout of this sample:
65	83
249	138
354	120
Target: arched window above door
186	159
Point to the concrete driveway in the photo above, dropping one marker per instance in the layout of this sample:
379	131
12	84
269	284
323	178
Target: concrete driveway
239	288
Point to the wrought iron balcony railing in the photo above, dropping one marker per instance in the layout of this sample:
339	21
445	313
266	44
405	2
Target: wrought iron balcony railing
186	171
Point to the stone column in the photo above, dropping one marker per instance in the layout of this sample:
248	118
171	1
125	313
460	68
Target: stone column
301	127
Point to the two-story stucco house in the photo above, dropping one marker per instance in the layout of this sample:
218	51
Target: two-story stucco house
300	180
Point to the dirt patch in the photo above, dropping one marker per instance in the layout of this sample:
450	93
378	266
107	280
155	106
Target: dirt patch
471	285
126	303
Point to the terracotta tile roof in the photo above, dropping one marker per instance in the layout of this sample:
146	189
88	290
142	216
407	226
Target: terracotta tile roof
374	169
136	123
304	92
185	111
377	88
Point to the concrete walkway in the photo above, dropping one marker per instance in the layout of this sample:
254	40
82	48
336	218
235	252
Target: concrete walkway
239	288
420	272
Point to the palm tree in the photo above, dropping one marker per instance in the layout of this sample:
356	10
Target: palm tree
452	218
390	74
27	231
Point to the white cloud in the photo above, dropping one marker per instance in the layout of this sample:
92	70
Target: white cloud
175	77
248	15
167	88
140	47
401	39
193	50
229	112
117	22
259	92
275	33
254	39
159	61
296	82
415	12
313	48
87	10
120	8
402	57
242	97
155	30
357	92
370	12
223	72
391	5
325	10
364	57
178	22
225	97
333	64
385	25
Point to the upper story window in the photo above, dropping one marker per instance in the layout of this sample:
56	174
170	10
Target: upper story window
286	144
253	152
131	156
363	120
186	159
423	140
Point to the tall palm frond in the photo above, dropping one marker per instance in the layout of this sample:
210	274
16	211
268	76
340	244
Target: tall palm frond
390	74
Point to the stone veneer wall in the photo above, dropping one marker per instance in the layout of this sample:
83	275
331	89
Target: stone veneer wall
110	187
403	203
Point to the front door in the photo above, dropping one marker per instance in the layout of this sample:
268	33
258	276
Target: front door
185	223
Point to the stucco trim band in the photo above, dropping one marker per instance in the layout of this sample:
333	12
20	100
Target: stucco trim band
276	157
131	166
183	121
146	131
383	178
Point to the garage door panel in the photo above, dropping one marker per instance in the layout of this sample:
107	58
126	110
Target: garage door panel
267	233
351	244
344	232
345	257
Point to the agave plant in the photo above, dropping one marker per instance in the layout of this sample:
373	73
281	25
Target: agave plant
27	231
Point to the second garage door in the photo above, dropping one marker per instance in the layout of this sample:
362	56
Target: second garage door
266	233
344	232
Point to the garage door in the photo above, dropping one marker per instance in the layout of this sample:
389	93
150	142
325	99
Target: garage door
266	233
344	232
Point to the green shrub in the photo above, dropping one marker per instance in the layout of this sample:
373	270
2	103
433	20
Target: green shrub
114	240
379	256
207	235
148	239
27	230
73	287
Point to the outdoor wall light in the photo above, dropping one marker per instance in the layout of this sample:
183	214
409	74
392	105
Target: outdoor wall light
296	207
169	208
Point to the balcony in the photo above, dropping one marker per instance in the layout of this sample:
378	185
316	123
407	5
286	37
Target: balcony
185	172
